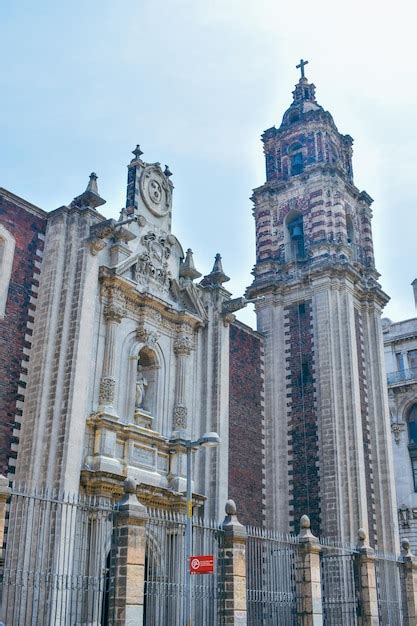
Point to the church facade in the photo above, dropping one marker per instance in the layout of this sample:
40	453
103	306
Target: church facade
131	348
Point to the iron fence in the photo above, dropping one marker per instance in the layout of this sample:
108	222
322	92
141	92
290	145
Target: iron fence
56	568
165	571
339	595
389	592
271	561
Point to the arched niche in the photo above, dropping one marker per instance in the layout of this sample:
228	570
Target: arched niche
142	397
146	382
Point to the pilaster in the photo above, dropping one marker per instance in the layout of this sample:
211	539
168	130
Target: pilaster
113	314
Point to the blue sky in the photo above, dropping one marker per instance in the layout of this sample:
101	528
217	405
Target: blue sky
195	83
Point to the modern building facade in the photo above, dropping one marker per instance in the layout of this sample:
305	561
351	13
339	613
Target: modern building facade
400	342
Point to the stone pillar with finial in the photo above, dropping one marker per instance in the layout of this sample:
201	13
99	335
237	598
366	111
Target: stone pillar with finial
128	563
234	567
366	581
308	577
408	570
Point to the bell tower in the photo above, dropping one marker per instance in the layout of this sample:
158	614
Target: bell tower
327	431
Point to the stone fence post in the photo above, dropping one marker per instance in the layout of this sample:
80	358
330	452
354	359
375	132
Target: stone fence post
234	567
129	558
308	578
4	494
366	582
408	565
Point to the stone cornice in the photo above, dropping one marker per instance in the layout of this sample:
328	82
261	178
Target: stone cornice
139	305
332	272
277	186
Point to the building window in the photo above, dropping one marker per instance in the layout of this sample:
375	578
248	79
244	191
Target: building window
412	359
7	244
400	361
414	469
412	425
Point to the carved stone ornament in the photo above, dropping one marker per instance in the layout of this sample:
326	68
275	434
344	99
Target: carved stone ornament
155	190
182	344
148	337
396	429
147	269
158	246
96	246
107	386
180	417
114	311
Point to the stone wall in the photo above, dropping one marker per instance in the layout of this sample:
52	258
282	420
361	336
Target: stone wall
246	428
26	224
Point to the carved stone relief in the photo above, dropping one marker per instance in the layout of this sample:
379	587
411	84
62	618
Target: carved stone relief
147	337
106	394
180	417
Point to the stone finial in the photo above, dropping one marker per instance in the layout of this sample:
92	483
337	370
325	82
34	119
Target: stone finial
231	524
187	268
167	171
361	538
305	529
129	505
91	198
230	508
137	152
216	277
405	548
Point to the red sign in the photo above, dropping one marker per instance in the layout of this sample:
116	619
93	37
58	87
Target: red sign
202	564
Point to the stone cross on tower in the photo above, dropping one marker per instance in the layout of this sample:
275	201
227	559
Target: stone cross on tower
301	67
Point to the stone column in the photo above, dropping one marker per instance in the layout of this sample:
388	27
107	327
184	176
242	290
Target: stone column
129	558
234	562
308	578
182	349
4	494
113	313
366	580
409	583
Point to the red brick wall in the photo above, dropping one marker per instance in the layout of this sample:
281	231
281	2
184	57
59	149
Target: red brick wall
246	472
25	226
303	436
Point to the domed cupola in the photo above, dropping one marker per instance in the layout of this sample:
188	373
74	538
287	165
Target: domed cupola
307	137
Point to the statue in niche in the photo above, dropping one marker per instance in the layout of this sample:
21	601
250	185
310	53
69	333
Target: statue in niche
141	384
145	388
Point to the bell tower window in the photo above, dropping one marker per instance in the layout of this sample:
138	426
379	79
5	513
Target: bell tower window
295	237
296	159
